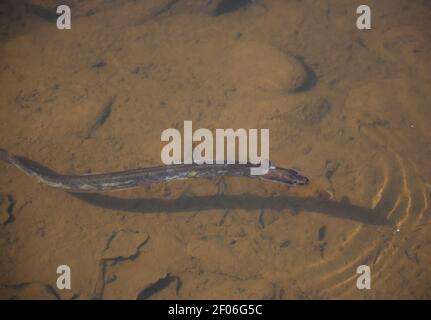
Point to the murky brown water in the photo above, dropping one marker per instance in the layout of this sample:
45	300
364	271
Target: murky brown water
358	124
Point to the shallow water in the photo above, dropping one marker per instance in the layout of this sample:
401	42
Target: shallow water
348	108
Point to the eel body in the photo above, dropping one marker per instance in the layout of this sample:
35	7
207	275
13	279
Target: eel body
120	180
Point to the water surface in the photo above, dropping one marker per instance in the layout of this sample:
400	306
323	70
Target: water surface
348	108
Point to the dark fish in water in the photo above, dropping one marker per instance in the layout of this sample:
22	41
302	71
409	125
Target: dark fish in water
120	180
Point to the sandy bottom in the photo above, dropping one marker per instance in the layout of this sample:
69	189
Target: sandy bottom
349	108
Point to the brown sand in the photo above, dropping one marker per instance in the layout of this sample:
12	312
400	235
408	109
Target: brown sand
349	108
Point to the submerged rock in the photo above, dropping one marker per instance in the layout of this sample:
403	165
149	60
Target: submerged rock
254	65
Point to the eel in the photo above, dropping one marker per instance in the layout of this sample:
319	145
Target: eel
121	180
